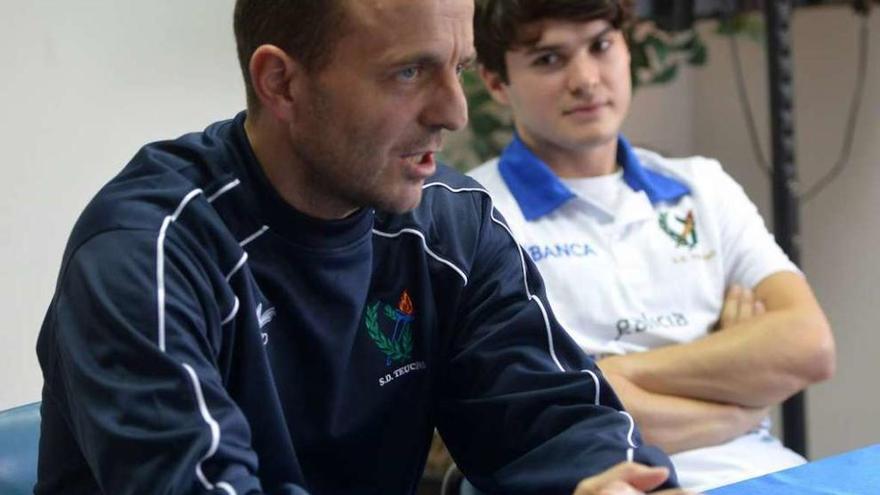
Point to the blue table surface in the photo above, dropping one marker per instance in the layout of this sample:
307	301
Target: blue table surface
853	473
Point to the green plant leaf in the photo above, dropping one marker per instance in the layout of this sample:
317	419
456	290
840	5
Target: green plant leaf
755	29
749	24
638	56
698	56
483	123
689	42
478	98
482	148
665	75
660	47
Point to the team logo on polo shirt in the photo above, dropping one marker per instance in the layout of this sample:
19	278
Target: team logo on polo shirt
398	347
683	231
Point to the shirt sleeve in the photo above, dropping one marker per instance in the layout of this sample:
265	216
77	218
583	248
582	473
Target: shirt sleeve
523	410
132	369
750	251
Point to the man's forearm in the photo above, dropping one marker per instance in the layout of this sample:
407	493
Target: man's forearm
676	424
752	366
757	363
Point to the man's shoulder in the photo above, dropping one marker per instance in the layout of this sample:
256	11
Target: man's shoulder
160	182
449	199
449	178
451	218
451	202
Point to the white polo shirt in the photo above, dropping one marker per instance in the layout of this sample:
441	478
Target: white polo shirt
642	259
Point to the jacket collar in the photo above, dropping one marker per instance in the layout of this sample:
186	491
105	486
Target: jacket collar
539	192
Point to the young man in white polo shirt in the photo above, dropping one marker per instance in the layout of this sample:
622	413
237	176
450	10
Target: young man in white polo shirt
644	256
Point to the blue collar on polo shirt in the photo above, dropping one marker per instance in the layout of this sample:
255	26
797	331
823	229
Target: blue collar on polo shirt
539	192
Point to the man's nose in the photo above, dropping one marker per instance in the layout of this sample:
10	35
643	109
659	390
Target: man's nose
447	107
583	74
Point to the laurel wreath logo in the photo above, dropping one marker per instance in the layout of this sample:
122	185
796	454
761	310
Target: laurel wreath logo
688	238
398	350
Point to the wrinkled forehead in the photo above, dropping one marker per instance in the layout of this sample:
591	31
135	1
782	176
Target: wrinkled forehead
385	29
398	18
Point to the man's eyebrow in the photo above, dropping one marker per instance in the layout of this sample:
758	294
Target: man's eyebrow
422	58
540	48
429	59
537	48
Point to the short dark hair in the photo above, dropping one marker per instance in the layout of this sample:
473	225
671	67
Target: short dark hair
498	24
306	29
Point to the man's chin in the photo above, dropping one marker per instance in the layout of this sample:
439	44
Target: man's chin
593	139
405	202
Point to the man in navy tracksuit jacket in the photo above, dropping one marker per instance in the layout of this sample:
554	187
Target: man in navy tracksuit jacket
211	333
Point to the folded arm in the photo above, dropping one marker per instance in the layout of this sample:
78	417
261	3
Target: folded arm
755	363
677	424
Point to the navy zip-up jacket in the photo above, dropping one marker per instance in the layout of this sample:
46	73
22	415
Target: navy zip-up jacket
205	337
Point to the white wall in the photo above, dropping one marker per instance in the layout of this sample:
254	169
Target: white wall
85	83
661	117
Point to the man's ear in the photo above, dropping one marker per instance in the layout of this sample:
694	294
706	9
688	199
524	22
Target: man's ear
273	75
496	86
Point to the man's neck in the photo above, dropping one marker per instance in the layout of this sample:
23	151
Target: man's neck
290	178
586	161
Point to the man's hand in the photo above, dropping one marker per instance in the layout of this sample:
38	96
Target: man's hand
626	478
740	305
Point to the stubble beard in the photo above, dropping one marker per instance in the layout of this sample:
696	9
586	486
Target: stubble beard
337	166
346	167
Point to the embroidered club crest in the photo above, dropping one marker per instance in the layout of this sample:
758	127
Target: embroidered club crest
686	235
399	346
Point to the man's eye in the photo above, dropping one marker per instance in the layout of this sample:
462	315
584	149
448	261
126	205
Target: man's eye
408	74
601	45
546	59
